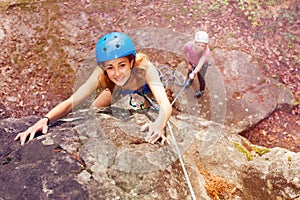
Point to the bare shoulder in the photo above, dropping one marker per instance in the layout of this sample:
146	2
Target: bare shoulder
152	73
151	69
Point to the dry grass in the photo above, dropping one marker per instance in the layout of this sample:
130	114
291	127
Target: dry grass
217	187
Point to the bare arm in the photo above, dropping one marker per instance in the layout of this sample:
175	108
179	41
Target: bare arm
200	64
158	90
63	108
85	90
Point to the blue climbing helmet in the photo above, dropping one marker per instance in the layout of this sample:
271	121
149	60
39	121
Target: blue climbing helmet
114	45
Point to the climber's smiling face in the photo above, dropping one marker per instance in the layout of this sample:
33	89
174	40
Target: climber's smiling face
118	70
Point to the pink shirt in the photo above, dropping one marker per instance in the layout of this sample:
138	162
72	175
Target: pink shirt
193	56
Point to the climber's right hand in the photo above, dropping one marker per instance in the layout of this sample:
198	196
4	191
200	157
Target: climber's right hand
40	125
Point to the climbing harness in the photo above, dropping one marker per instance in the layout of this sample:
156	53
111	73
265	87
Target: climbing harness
142	105
145	90
174	76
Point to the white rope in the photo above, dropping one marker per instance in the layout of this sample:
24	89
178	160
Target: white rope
181	91
175	143
181	162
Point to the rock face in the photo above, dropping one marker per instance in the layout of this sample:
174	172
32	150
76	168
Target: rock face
250	96
35	171
102	154
98	157
256	172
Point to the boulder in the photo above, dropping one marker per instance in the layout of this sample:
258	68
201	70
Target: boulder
250	96
102	155
256	173
35	171
99	156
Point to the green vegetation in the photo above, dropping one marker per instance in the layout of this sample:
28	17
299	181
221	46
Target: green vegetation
291	39
247	149
260	150
289	161
216	5
240	148
252	9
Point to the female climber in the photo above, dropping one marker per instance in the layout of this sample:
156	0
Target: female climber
119	69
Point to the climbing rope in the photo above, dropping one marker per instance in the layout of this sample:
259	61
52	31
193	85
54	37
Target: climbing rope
176	146
181	162
186	84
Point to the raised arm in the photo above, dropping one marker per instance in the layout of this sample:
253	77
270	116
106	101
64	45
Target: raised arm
158	90
62	108
200	64
85	90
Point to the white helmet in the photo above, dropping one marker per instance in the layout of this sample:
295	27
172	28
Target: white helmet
201	36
